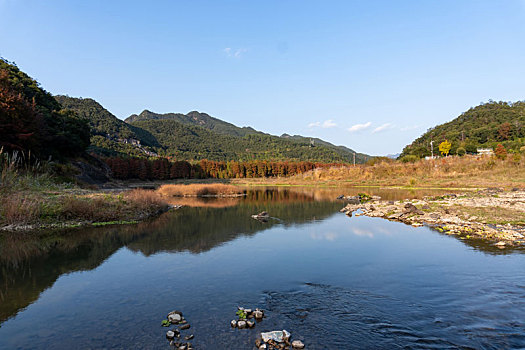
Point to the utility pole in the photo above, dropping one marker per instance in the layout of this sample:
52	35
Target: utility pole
354	158
432	148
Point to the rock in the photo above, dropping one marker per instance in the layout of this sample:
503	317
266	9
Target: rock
376	198
411	208
189	337
341	196
258	314
435	216
425	207
297	344
262	347
248	311
183	347
417	224
170	334
233	323
241	324
185	326
250	324
278	336
500	244
175	317
353	200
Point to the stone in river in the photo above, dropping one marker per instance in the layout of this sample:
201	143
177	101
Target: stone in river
297	344
175	316
170	334
241	324
233	323
258	314
185	326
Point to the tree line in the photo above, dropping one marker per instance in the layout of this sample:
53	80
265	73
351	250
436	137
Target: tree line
165	169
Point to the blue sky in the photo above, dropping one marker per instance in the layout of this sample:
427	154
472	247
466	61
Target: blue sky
370	75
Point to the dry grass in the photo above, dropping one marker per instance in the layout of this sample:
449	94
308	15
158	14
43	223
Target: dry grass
144	199
467	171
200	190
19	209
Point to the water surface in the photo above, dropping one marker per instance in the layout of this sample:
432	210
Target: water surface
332	281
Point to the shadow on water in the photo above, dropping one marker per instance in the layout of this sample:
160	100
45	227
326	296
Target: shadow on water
30	264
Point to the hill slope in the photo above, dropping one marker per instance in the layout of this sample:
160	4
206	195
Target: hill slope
483	126
196	136
195	118
109	135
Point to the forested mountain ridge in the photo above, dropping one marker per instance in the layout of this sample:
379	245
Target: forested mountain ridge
485	125
195	118
225	141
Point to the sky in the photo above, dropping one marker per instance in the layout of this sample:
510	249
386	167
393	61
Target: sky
369	75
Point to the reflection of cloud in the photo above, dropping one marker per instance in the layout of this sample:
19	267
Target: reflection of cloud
382	127
325	125
362	232
358	127
234	53
328	236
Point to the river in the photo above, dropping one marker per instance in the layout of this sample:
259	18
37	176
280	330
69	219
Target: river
334	282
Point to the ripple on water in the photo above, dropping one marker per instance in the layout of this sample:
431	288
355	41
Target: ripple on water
334	317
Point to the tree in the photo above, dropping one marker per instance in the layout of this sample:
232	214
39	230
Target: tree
501	152
461	151
504	131
444	148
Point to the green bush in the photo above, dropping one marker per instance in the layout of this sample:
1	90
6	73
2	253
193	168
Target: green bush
409	158
461	151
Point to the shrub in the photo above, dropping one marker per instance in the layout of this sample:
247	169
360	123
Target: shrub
501	152
461	151
410	158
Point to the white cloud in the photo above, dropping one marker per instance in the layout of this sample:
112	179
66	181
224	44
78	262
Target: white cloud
325	125
382	127
234	52
358	127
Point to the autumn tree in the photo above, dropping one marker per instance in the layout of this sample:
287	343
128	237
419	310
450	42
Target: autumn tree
444	148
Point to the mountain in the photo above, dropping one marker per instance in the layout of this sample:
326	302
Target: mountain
195	136
485	125
195	118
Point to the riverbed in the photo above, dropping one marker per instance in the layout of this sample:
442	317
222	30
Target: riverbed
332	281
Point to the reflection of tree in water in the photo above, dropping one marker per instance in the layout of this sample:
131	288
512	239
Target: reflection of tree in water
29	264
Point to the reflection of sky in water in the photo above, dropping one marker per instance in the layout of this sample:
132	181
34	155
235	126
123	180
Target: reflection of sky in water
384	279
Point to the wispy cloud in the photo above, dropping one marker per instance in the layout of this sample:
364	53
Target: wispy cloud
358	127
234	52
382	127
325	125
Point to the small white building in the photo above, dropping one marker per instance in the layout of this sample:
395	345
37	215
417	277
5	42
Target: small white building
485	151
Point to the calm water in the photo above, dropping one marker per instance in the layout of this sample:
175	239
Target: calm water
332	281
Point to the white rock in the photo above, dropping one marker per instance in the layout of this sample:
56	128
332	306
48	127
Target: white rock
297	344
241	324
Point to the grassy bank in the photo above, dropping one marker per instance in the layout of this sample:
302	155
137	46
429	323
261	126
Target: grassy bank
30	199
450	172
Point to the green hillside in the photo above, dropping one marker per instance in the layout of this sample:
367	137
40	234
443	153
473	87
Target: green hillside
195	142
195	136
483	126
109	135
195	118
